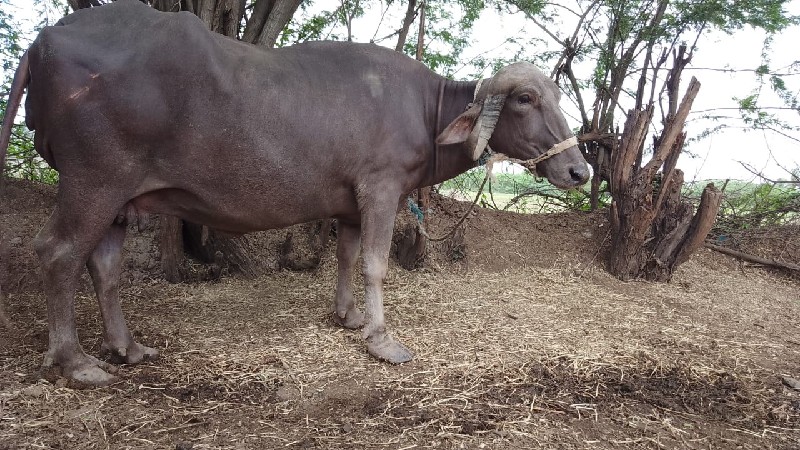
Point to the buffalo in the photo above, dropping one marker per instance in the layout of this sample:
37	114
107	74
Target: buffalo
144	112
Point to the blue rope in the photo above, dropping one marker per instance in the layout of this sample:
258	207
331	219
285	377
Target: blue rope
412	205
485	157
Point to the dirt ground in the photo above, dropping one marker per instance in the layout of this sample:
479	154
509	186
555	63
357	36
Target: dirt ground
521	341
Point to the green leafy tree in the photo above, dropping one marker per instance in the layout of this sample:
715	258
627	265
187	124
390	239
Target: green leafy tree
22	161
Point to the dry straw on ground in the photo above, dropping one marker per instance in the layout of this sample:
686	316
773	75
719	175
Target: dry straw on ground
523	344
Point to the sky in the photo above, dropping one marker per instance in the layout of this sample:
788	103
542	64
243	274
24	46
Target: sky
716	157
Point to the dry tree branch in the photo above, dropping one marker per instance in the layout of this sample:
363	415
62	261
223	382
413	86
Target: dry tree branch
536	22
717	69
411	14
569	44
627	55
753	258
380	23
567	56
761	175
782	133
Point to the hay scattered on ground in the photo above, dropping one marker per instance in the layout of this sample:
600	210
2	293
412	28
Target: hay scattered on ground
520	359
524	343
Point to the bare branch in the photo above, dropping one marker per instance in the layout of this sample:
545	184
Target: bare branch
411	14
761	175
733	108
535	21
380	22
730	70
570	45
752	258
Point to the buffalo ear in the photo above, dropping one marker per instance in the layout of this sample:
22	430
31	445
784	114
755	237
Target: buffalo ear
460	129
474	126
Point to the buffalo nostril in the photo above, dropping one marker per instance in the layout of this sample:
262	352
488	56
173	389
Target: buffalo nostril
579	174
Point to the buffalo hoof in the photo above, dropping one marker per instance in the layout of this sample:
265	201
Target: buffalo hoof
353	319
81	369
385	348
133	353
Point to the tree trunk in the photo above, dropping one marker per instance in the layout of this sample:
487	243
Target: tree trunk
407	21
653	230
170	242
269	18
421	242
222	251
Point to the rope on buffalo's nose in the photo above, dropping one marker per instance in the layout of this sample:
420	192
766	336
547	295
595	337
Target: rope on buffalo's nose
488	158
552	151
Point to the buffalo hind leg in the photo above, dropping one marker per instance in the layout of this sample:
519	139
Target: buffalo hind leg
105	264
377	223
63	247
348	241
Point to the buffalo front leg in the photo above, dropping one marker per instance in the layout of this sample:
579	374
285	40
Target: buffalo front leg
348	241
63	251
105	264
377	225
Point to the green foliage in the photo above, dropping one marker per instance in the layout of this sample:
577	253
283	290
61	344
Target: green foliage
448	28
533	7
749	205
21	160
311	29
751	111
518	192
306	26
732	15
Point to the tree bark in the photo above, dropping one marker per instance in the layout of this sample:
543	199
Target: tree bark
252	29
170	242
421	242
407	21
279	16
205	11
223	252
653	230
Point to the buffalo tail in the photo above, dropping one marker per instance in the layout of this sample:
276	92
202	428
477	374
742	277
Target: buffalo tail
18	86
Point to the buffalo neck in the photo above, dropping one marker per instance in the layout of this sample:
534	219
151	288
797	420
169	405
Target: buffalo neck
450	160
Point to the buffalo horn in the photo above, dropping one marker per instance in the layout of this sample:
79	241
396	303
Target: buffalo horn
486	123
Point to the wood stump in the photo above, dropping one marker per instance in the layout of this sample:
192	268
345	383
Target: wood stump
653	229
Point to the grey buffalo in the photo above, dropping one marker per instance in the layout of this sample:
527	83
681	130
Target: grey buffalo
143	112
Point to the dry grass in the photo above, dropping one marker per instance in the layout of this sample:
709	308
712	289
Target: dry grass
521	359
524	342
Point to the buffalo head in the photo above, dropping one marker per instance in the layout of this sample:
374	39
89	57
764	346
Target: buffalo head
517	113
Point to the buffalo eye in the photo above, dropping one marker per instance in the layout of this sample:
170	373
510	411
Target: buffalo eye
528	99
